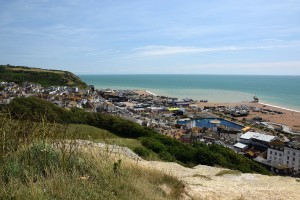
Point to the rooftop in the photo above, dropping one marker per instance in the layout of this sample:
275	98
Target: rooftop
259	136
240	145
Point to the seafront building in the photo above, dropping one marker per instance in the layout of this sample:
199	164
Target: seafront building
258	140
288	155
279	157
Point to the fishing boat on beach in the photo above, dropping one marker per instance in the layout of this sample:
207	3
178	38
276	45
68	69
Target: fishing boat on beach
255	99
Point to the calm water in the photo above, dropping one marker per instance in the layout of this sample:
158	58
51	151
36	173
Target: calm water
281	91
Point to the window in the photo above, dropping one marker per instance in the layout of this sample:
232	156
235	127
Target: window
293	159
280	154
270	152
288	152
275	158
294	154
275	153
287	162
288	157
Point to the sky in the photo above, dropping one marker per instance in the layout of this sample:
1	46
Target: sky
152	36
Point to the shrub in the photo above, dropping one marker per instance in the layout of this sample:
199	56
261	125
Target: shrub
141	151
166	156
153	144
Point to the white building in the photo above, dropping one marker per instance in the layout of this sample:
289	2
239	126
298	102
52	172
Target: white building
275	155
240	147
287	155
257	139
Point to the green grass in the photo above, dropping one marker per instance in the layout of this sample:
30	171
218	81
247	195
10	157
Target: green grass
45	77
227	171
91	133
89	175
87	132
37	162
95	134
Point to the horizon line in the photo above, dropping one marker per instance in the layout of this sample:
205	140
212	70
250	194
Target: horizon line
190	74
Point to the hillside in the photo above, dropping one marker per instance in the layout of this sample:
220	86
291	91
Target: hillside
43	161
206	182
150	142
56	161
45	77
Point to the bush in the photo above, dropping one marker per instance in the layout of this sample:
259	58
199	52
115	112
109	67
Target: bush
153	144
166	156
141	151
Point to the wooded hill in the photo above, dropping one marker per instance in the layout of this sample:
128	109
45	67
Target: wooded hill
45	77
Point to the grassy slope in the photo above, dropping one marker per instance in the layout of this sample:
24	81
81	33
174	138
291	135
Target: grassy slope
98	180
95	134
31	168
44	77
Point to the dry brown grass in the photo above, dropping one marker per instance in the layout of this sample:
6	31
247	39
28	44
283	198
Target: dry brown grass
44	165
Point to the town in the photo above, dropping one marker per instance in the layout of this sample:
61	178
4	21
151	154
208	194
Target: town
274	145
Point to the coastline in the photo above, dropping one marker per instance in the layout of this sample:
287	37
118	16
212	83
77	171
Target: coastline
151	93
288	117
212	88
283	108
264	104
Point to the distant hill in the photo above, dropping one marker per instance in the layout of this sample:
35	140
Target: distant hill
45	77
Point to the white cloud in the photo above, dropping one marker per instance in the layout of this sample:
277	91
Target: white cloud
261	65
104	52
173	50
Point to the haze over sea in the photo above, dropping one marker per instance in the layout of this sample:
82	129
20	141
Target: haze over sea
283	91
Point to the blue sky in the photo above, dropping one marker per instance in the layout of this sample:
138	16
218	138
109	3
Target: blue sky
153	36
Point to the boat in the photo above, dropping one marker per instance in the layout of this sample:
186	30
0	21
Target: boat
255	99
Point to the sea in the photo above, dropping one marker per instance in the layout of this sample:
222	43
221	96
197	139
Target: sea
281	91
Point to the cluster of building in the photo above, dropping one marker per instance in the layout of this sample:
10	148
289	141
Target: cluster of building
63	96
281	157
180	119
